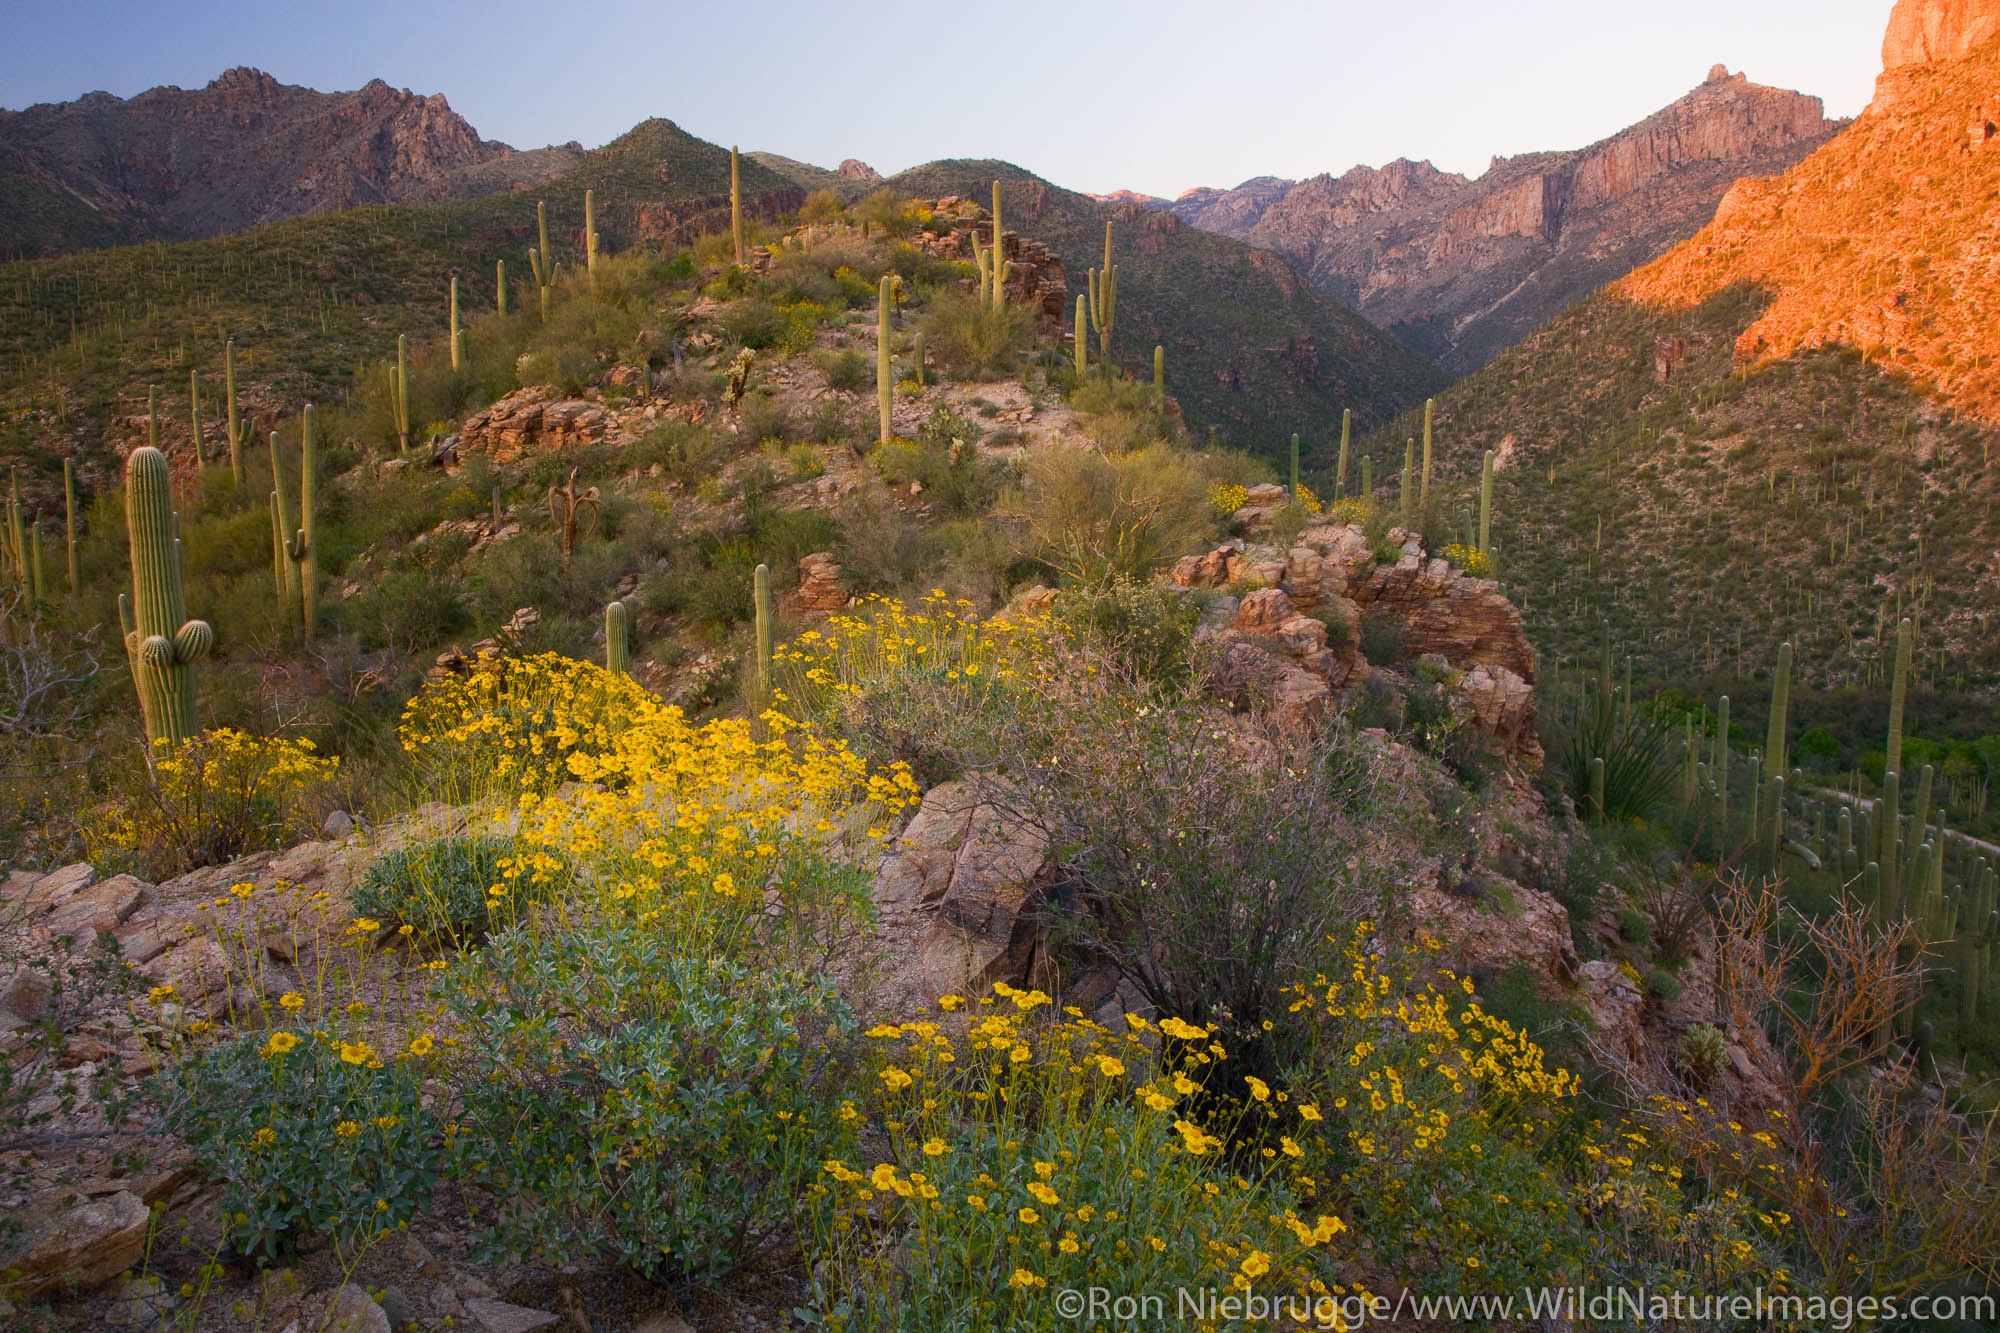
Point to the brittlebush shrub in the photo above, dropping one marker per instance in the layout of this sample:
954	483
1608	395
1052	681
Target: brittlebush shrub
308	1133
970	339
627	1103
455	890
1088	517
213	798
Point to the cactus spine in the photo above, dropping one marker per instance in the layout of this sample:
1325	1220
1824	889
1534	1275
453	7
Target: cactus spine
238	433
69	527
542	260
617	646
736	202
457	362
1340	469
1774	737
885	296
1486	503
590	240
500	287
1082	338
161	642
1159	377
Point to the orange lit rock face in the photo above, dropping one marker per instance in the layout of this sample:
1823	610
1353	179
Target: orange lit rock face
1924	32
1884	239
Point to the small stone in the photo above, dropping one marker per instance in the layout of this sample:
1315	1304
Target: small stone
58	886
26	993
82	1246
338	825
396	1307
664	1322
100	909
352	1311
500	1317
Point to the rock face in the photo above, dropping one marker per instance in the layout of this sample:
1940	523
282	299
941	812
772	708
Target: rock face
1924	32
1460	269
532	420
174	164
1035	274
857	170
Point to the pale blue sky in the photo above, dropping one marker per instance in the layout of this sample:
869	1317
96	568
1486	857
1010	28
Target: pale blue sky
1156	97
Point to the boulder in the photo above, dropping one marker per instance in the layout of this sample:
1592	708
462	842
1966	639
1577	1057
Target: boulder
819	585
1503	705
531	420
99	909
500	1317
350	1309
80	1245
1615	1005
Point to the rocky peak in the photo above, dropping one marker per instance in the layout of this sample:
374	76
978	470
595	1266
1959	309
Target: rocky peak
1923	32
857	170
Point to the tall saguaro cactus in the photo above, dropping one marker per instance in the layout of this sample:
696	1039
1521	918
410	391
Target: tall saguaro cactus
761	591
542	260
736	203
998	254
617	638
457	343
161	642
885	298
1486	503
17	537
69	527
590	240
238	433
1082	335
298	572
194	417
1424	490
1159	377
500	287
1104	303
1292	485
1898	688
399	395
1340	468
1774	736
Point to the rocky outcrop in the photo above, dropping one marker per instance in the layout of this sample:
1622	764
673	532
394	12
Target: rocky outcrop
1035	277
855	169
247	149
536	419
819	585
1461	268
1924	32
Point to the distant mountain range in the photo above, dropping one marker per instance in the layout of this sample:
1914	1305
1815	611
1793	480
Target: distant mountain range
172	164
1460	268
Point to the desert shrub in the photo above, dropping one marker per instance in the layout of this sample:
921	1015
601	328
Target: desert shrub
308	1133
452	889
954	474
763	417
1703	1051
829	421
800	462
1637	777
685	453
1025	1157
847	370
627	1103
1382	638
972	340
1122	413
754	323
214	797
879	550
1145	628
1088	517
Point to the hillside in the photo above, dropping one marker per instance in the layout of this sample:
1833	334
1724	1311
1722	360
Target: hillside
1782	429
173	164
1460	268
1251	347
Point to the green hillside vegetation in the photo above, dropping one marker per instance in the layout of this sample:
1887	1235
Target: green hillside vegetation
1253	349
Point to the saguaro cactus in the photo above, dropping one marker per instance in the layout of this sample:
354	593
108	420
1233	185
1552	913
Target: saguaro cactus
885	299
1898	688
69	527
736	202
161	642
590	239
1104	303
194	417
1082	338
399	392
457	346
1159	377
1486	503
500	287
1424	493
1292	484
17	537
1774	736
1340	469
998	257
617	645
302	547
761	591
238	433
542	260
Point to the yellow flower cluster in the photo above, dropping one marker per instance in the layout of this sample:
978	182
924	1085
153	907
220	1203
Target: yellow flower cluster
1469	558
1227	497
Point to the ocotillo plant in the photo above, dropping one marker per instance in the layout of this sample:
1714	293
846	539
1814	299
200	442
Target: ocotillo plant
885	297
456	346
590	241
500	287
1486	503
1774	736
194	417
1424	493
1082	338
1340	469
736	203
761	590
399	392
616	644
542	260
1159	377
69	527
238	433
161	643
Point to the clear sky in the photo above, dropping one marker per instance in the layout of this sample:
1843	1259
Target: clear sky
1156	97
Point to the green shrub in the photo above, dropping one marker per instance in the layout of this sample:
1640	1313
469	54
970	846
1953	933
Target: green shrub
1661	986
847	370
955	476
763	417
1088	517
755	323
686	454
446	888
307	1134
1382	639
971	339
1146	628
626	1104
878	549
